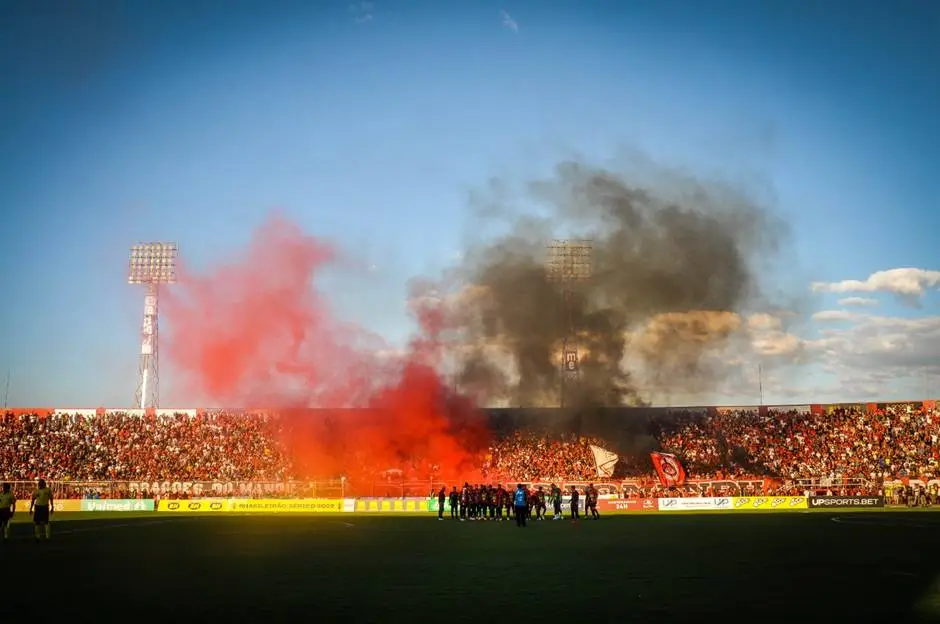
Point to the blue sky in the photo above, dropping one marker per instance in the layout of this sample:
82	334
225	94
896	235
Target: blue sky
368	124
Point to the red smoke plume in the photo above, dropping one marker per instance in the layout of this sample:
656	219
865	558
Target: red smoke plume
255	332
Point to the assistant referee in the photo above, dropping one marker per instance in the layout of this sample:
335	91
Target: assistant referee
40	507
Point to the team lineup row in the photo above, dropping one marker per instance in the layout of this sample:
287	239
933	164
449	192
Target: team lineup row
486	502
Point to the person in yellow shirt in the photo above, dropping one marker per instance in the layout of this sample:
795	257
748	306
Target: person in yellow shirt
40	507
7	509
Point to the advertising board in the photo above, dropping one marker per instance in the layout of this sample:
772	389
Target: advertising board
716	503
136	504
627	504
203	505
62	505
768	503
409	504
299	505
846	502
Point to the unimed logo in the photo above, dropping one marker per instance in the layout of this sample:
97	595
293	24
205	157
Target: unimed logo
669	502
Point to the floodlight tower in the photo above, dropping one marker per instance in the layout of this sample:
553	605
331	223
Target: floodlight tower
569	263
151	264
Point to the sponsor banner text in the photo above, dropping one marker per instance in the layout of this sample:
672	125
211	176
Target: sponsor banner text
627	504
716	503
846	502
135	504
300	505
768	503
203	505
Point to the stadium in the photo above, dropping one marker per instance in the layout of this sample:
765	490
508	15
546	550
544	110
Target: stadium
390	312
772	489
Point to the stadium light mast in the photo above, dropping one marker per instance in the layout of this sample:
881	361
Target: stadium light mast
569	264
152	265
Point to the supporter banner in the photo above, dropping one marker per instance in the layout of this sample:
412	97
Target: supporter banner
843	502
604	461
773	503
719	503
117	505
627	504
669	468
300	505
409	504
205	505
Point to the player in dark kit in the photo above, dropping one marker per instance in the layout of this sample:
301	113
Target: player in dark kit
477	505
519	505
464	502
540	503
556	501
590	501
441	499
7	509
454	503
500	498
575	496
40	508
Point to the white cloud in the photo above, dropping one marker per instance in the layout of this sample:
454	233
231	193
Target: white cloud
851	355
858	301
834	315
907	284
363	12
509	22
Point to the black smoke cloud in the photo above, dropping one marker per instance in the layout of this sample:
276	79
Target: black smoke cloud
674	260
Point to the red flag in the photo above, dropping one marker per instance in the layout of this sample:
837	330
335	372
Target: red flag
669	468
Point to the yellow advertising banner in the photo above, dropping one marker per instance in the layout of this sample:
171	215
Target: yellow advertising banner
64	505
392	504
768	503
205	505
273	505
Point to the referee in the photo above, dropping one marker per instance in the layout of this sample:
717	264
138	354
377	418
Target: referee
40	507
520	505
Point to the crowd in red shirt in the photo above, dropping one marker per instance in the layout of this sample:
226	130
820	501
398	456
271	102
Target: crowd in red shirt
899	440
123	447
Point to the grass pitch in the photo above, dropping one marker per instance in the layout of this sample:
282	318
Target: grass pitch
846	567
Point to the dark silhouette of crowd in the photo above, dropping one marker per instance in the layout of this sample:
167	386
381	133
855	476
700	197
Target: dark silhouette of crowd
893	441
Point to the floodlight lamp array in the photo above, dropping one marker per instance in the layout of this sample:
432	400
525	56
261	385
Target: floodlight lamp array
153	263
569	261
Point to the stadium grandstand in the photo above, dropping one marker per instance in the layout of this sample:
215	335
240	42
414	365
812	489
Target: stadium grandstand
889	449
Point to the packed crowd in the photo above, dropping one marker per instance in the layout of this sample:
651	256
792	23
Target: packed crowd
846	443
122	447
529	456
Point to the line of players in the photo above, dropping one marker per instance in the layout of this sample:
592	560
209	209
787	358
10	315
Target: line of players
485	502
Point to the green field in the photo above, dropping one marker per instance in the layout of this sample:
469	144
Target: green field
862	567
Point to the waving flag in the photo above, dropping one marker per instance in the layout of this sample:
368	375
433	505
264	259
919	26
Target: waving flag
670	470
604	461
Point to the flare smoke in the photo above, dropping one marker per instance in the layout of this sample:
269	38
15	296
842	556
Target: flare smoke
673	261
